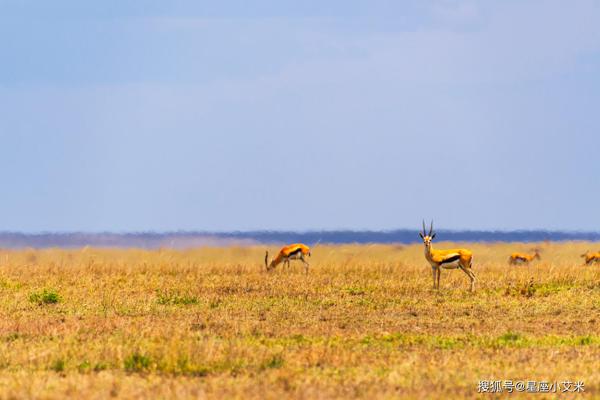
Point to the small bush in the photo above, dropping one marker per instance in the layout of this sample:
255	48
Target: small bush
585	340
45	297
528	290
84	367
11	337
137	362
100	366
58	365
274	362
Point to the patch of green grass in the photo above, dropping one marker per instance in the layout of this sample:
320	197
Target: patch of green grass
137	362
549	288
509	338
447	343
355	290
299	338
100	366
10	284
184	366
58	365
366	302
367	340
432	341
586	340
165	298
11	337
273	362
84	367
531	289
46	296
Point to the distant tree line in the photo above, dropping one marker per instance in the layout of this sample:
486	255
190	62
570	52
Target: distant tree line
196	239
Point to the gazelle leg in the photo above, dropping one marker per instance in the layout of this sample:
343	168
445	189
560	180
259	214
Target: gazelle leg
471	276
306	265
439	273
433	273
472	280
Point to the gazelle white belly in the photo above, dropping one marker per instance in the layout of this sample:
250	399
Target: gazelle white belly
451	265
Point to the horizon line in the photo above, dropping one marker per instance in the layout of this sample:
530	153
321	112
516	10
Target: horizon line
287	231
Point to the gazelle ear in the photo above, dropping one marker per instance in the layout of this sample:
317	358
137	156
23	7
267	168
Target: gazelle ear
433	236
420	234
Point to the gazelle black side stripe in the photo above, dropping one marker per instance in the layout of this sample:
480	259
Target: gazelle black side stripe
293	253
451	259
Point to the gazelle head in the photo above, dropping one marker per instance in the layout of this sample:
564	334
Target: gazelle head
585	254
427	237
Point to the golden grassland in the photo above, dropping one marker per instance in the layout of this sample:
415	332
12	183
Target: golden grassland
95	323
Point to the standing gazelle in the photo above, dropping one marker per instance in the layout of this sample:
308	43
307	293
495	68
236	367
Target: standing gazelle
297	251
523	258
448	259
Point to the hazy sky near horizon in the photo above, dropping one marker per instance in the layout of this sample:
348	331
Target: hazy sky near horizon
193	115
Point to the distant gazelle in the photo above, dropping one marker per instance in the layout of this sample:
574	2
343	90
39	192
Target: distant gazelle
297	251
448	259
523	258
591	258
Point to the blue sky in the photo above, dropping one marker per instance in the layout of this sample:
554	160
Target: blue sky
187	115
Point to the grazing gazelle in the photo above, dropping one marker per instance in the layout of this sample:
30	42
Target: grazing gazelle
523	258
591	258
297	251
448	259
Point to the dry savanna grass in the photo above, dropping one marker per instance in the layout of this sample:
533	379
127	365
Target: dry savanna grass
210	323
